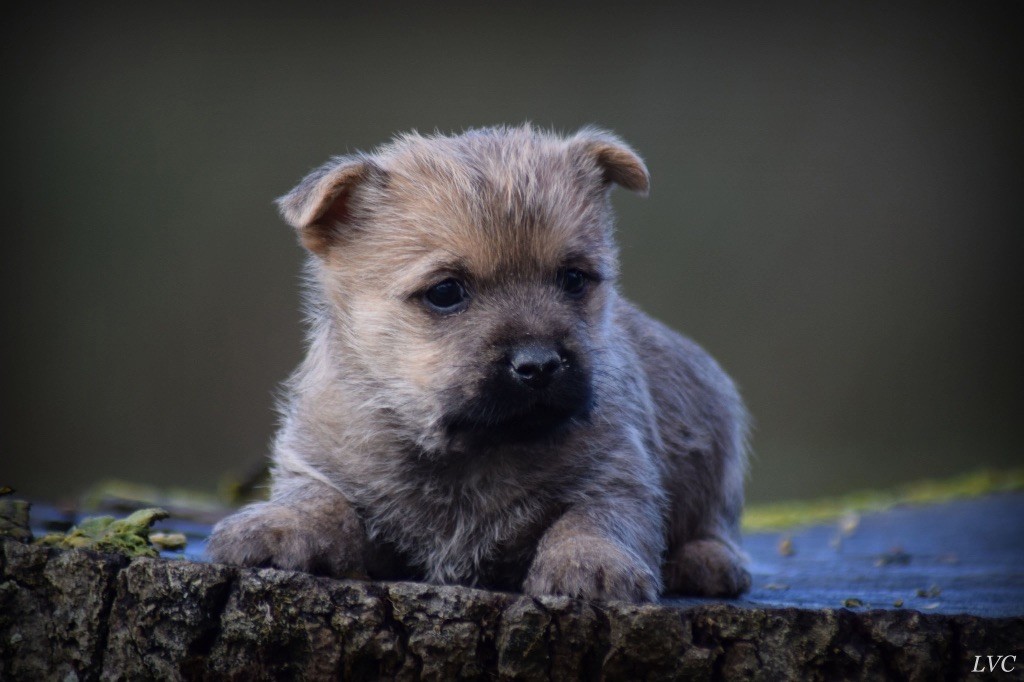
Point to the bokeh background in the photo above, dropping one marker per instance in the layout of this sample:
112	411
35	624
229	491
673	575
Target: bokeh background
836	212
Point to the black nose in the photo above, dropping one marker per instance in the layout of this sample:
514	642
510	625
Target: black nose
535	365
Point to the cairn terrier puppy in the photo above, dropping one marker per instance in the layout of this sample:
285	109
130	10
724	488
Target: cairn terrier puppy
479	404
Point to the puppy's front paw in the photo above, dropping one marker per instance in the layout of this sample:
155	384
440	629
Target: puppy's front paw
268	534
707	568
590	568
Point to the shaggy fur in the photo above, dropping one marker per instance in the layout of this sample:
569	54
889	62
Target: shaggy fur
406	451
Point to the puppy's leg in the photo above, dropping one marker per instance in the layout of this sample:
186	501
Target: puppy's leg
580	557
704	556
712	566
306	526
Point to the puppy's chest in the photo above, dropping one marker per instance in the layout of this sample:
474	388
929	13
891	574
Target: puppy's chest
457	529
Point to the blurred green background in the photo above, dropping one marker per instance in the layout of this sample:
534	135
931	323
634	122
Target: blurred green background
835	214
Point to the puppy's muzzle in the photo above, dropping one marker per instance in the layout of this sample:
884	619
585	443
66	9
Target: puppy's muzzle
536	365
535	388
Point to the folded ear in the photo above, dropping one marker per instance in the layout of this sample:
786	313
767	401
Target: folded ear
319	205
618	162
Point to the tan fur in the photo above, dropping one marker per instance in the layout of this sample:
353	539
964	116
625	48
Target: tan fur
406	449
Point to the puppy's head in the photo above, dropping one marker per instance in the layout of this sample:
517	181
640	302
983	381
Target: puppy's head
468	280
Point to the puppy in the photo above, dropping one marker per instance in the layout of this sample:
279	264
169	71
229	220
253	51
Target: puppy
479	405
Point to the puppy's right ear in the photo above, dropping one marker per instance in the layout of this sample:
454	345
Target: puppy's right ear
618	162
318	208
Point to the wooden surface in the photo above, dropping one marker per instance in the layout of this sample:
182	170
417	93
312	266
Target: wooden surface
965	556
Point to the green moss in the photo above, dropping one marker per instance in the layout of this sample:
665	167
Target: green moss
169	541
129	535
14	518
783	515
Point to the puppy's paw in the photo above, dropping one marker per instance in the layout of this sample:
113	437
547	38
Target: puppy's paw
273	535
709	568
591	568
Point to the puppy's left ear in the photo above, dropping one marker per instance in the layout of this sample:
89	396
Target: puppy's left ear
320	207
617	161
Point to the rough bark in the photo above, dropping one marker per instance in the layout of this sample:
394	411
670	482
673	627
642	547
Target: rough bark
78	614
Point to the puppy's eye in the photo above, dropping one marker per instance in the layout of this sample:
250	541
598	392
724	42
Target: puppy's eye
573	282
448	296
